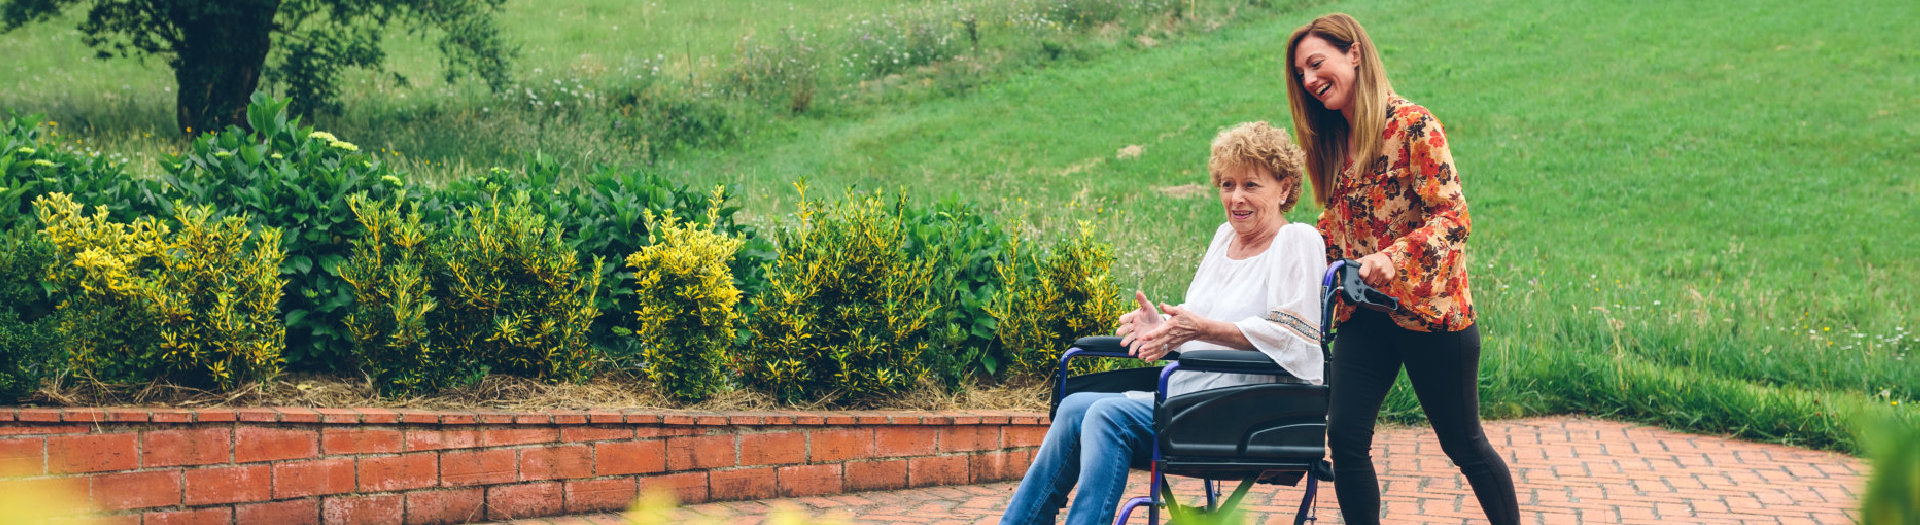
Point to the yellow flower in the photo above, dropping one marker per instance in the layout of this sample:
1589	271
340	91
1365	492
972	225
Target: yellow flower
322	135
344	145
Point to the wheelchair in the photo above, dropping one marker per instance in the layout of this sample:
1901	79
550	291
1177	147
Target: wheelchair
1271	433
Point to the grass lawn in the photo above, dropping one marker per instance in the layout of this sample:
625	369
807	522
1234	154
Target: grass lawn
1684	213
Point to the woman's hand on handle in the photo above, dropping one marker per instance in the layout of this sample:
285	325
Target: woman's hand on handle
1376	270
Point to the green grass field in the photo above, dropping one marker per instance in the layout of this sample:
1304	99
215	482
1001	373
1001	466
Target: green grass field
1684	213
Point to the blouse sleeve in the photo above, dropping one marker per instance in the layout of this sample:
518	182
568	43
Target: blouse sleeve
1436	244
1289	331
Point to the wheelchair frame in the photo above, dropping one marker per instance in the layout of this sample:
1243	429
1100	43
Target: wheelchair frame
1342	281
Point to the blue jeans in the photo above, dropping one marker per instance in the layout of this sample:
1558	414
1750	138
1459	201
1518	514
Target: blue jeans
1093	438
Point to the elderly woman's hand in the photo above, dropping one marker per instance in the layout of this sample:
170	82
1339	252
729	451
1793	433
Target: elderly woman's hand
1179	327
1139	320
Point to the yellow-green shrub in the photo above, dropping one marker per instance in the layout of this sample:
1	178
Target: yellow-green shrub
388	272
1050	297
847	305
686	303
513	293
197	306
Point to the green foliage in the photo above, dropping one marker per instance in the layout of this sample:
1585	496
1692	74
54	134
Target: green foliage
195	306
969	244
604	214
1893	493
686	304
219	50
514	293
785	71
393	298
296	179
890	43
33	164
30	348
848	310
1051	296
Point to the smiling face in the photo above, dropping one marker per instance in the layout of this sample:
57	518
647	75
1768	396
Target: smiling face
1326	72
1252	199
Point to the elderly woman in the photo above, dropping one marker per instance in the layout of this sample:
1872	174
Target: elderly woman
1257	289
1382	171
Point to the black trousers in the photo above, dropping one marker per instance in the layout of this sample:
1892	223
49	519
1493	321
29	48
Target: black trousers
1444	368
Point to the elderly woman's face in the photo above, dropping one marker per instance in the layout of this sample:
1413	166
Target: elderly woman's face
1252	198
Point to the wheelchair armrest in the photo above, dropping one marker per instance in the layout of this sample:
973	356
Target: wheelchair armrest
1236	361
1108	346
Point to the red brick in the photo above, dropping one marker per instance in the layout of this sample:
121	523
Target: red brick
338	415
418	440
507	502
132	490
83	415
383	509
688	487
601	417
642	418
993	466
653	432
837	445
298	415
938	470
809	480
533	419
193	446
895	442
216	415
294	512
969	438
629	457
743	483
20	456
578	434
696	452
30	429
378	416
359	441
204	516
600	495
6	414
408	471
320	477
493	417
478	467
206	486
257	415
435	507
876	475
1023	436
45	415
569	417
422	417
93	452
773	448
273	444
128	415
506	437
563	462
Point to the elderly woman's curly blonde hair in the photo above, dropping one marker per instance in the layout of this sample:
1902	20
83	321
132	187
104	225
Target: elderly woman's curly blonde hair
1259	145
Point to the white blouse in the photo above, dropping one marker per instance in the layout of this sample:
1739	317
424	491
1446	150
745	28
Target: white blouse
1274	298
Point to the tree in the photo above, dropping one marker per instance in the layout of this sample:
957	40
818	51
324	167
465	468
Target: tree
220	49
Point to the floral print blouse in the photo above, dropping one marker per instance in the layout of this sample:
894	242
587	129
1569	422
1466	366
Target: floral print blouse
1407	203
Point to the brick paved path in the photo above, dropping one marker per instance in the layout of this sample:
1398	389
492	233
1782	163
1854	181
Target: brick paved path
1568	470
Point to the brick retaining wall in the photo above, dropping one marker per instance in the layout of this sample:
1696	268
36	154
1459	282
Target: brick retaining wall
297	465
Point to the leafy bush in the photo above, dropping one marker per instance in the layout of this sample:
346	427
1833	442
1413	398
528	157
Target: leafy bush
514	292
686	304
31	165
196	306
1050	297
604	214
393	297
848	310
29	346
969	246
294	178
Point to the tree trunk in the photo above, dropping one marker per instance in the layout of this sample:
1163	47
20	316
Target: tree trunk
218	59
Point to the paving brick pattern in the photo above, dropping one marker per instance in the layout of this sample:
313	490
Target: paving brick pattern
1568	470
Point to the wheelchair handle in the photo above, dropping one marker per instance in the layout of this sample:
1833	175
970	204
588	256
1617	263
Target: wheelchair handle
1343	277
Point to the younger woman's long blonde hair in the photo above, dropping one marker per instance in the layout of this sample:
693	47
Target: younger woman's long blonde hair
1325	134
